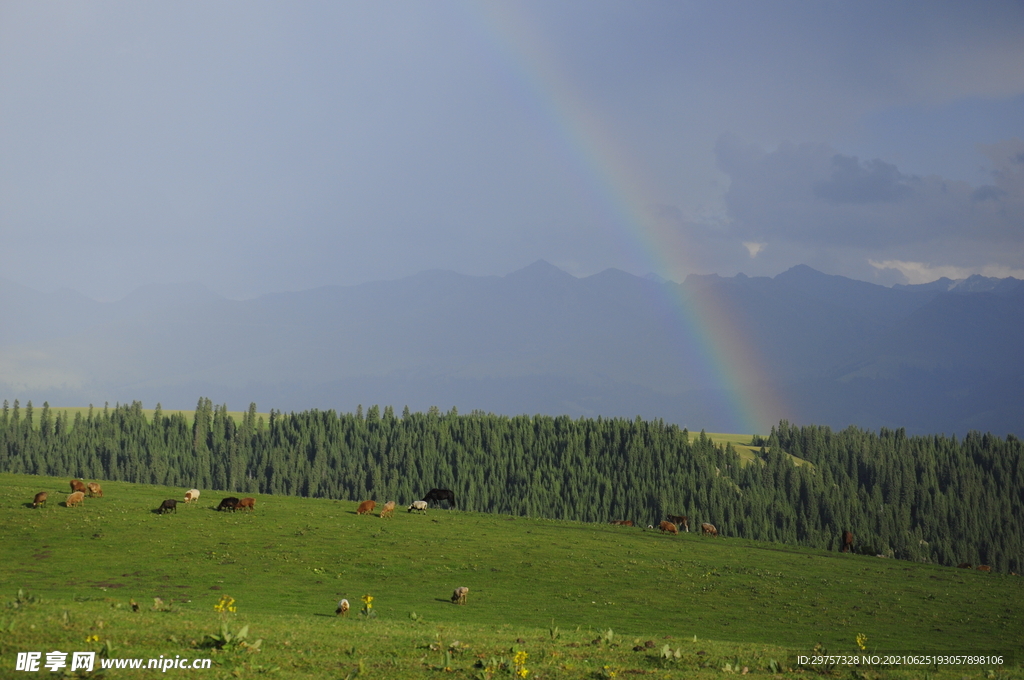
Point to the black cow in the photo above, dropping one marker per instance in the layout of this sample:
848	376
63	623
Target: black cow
438	495
229	503
169	505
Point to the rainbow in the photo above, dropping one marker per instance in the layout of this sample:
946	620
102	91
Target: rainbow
705	321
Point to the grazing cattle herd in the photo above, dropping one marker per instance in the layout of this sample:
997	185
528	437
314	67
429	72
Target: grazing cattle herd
79	491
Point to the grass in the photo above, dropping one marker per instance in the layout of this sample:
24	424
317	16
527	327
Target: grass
287	564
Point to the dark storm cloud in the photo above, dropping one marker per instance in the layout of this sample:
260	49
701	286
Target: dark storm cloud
987	193
855	182
809	194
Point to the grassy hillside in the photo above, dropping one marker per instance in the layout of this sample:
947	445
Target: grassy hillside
746	452
287	564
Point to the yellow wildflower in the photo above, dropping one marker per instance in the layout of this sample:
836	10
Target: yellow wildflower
226	604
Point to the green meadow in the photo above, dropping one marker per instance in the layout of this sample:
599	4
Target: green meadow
580	600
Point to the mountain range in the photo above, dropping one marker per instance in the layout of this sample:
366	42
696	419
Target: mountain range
942	357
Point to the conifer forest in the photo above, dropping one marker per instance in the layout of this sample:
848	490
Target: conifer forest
935	498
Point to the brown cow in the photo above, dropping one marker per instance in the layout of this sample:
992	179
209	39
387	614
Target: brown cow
39	499
95	490
680	520
965	565
459	595
708	529
668	527
984	567
75	499
247	504
623	522
847	541
77	485
366	507
388	510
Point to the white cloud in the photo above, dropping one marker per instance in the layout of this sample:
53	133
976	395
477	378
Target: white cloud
920	272
754	248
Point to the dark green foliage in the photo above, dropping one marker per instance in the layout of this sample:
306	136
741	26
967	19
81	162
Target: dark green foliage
934	499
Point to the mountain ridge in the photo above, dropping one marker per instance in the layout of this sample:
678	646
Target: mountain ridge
831	350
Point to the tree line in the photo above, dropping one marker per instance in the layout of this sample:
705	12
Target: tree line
928	498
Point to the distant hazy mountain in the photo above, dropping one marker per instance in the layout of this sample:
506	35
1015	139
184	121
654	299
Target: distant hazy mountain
973	284
943	357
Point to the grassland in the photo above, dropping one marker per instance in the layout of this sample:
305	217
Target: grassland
746	452
718	601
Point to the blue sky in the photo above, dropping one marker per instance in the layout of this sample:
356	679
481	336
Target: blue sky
258	147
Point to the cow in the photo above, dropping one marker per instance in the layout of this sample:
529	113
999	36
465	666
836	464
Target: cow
623	522
246	504
169	505
95	490
438	495
668	527
343	608
229	503
708	529
847	539
77	485
191	496
984	567
388	510
366	507
965	565
418	505
74	499
39	499
680	520
459	595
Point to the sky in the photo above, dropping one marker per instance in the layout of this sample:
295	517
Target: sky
258	147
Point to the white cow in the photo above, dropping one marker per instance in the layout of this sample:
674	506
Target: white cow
418	505
191	495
